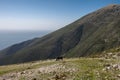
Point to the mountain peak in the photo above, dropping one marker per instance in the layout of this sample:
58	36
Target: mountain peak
112	6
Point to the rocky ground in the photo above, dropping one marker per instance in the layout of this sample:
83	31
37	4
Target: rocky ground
52	72
104	68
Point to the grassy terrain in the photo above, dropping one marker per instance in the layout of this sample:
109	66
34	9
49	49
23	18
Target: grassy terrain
68	69
22	67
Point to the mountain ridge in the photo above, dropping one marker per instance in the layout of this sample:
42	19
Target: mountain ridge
93	33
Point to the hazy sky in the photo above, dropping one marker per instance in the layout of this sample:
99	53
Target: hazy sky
45	14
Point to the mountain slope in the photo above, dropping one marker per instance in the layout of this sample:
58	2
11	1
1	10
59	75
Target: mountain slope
93	33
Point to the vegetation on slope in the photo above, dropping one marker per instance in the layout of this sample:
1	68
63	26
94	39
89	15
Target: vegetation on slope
93	33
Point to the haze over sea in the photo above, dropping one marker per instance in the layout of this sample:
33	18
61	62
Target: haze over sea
8	38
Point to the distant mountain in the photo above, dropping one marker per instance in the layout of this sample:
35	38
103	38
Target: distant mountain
93	33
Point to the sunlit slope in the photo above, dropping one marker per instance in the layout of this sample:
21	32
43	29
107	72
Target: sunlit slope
106	67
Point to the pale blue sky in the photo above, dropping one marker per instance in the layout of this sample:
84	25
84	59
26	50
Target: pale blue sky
45	14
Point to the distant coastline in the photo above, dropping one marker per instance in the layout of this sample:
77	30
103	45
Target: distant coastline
8	38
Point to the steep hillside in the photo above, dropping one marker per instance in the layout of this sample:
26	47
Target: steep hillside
93	33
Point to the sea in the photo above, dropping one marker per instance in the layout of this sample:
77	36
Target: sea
8	38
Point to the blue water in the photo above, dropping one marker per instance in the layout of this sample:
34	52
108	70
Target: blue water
8	38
